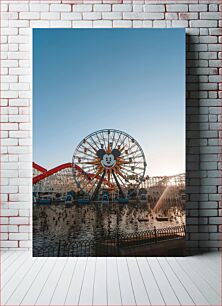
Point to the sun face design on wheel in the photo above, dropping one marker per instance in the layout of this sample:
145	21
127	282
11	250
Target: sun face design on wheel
108	160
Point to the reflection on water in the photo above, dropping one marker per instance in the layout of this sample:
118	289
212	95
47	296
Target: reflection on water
58	222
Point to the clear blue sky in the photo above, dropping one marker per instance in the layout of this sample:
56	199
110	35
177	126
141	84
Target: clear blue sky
128	79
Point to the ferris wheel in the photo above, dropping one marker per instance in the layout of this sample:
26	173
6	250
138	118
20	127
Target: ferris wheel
109	160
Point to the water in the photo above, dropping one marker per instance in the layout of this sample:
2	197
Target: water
68	224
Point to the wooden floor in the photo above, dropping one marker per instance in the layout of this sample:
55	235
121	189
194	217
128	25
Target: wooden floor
110	281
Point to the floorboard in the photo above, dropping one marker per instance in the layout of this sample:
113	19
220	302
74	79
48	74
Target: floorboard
194	280
154	293
127	292
75	286
188	282
168	292
100	283
4	255
13	269
9	287
208	292
86	293
140	291
48	290
212	278
182	294
10	261
62	288
113	284
23	287
213	261
38	284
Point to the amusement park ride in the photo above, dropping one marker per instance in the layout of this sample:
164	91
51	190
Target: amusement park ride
107	160
114	160
107	164
108	167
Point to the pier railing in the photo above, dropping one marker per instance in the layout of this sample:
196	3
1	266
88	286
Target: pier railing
109	245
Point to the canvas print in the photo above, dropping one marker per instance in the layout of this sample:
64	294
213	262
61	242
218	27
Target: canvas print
109	142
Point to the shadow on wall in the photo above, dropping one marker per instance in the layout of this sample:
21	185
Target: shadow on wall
192	146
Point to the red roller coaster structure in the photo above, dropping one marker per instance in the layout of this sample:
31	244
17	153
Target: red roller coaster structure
38	167
46	173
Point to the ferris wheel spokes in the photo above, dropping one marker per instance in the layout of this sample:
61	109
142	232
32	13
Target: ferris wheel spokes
113	161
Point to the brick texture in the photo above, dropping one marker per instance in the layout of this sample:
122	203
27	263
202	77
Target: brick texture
201	18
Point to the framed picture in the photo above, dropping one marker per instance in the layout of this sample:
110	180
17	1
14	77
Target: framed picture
108	142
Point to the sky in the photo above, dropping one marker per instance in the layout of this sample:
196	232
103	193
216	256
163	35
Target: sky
133	80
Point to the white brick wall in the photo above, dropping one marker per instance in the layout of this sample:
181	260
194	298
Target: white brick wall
201	19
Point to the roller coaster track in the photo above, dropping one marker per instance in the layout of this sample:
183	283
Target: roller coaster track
46	173
38	167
